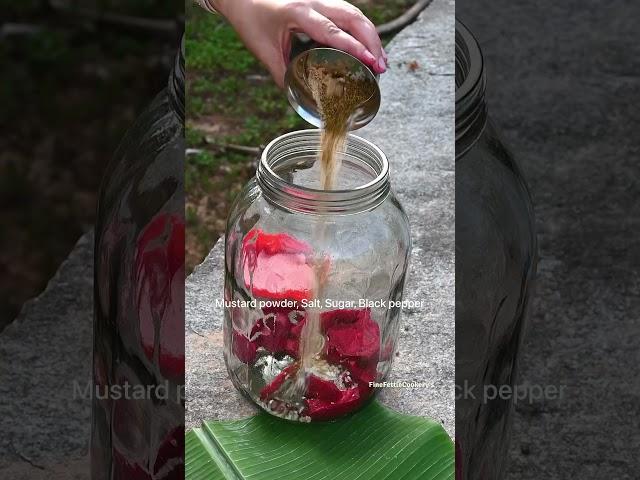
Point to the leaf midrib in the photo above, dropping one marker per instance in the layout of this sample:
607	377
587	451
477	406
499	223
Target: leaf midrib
218	454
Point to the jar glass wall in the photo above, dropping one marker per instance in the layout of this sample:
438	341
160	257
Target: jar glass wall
496	256
138	353
317	268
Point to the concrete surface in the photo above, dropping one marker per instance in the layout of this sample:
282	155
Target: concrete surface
564	87
415	128
44	353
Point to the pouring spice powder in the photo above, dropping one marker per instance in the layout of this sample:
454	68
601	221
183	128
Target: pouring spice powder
338	93
338	96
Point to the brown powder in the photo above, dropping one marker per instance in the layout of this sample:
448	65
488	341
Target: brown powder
338	96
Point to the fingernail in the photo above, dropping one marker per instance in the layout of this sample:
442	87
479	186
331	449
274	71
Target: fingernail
382	65
370	59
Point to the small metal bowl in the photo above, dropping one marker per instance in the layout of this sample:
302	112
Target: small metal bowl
299	92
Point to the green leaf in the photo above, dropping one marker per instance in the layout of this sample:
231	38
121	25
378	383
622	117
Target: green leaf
375	443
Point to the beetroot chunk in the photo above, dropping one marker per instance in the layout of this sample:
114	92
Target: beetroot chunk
351	334
272	331
243	348
321	389
319	409
276	333
275	266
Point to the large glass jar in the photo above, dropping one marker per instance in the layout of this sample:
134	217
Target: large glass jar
314	280
138	363
496	259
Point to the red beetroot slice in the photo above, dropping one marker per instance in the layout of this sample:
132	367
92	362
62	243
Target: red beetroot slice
342	317
276	333
272	243
159	279
243	348
126	469
272	331
171	358
275	266
362	374
361	371
319	409
274	386
292	347
351	334
171	450
321	389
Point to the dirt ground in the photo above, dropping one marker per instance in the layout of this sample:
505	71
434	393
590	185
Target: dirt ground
71	90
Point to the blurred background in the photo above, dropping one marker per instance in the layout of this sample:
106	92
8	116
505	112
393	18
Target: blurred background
233	110
75	76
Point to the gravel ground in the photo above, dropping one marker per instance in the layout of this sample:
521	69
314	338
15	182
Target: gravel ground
564	85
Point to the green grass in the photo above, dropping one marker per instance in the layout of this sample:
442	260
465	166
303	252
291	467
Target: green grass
229	89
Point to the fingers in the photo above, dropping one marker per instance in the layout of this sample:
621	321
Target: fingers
323	30
277	68
277	60
352	20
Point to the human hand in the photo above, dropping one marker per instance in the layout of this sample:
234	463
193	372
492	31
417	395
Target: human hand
266	26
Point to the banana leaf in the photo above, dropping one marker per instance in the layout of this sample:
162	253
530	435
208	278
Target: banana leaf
375	443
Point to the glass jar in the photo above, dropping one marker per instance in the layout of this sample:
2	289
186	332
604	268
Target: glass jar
138	355
496	256
314	280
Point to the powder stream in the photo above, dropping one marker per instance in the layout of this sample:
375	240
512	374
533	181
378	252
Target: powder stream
338	97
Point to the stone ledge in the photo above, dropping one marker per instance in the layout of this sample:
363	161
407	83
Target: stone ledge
43	353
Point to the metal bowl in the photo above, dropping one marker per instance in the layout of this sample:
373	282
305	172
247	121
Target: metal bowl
299	92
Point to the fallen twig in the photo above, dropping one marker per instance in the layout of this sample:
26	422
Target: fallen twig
403	20
10	29
234	147
166	28
241	148
196	332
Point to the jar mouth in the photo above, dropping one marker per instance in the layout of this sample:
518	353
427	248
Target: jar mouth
359	155
469	63
470	90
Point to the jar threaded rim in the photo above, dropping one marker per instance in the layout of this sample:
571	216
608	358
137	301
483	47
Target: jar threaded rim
471	110
304	199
